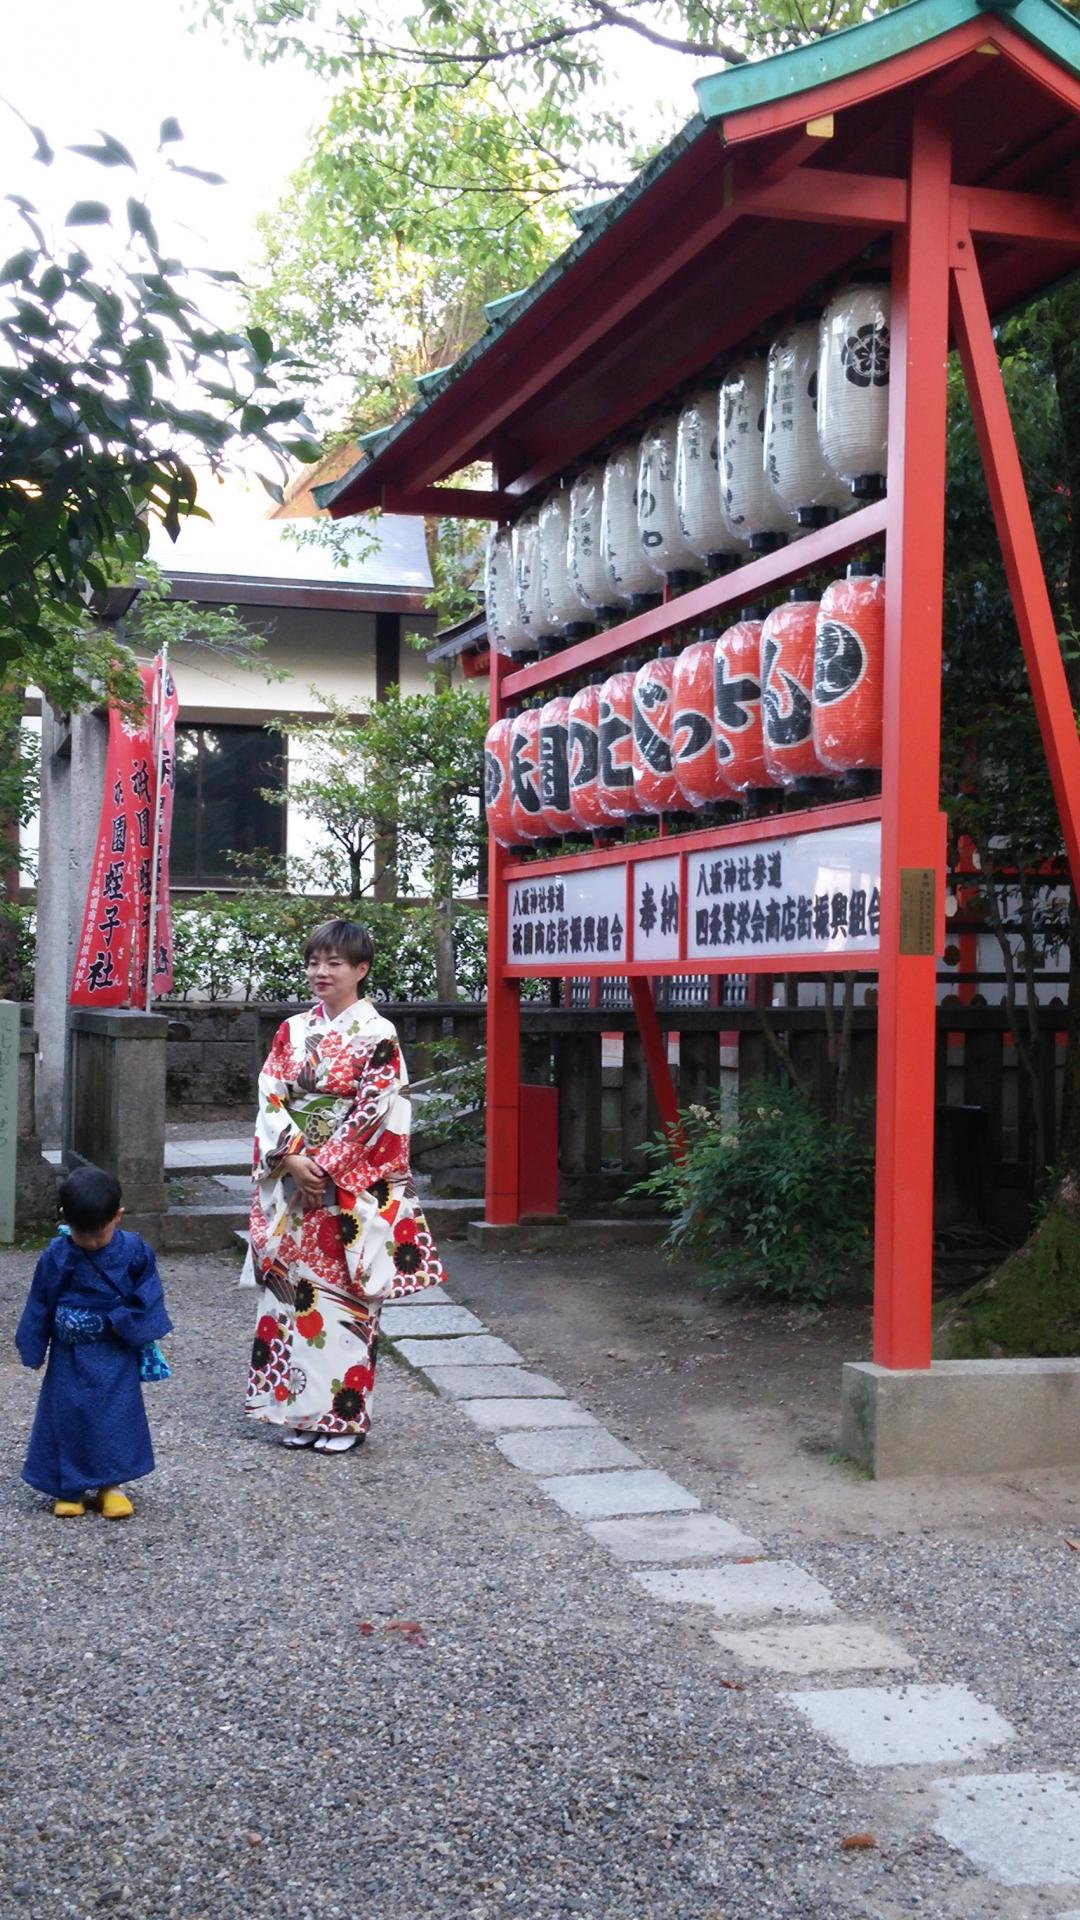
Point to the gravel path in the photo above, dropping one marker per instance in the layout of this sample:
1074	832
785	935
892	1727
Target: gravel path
210	1711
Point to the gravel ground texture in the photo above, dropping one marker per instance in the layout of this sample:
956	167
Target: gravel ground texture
402	1683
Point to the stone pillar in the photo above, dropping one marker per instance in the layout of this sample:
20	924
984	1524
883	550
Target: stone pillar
72	778
114	1099
35	1179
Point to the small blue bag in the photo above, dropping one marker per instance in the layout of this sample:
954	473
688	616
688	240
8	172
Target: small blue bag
152	1363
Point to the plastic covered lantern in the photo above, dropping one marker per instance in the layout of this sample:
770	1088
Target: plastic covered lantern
797	470
528	581
506	629
849	672
556	818
525	775
752	508
740	744
497	783
585	546
583	758
562	606
616	745
702	519
787	677
656	789
853	386
663	541
693	730
630	576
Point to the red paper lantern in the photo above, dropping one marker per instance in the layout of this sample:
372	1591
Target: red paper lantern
656	789
849	672
693	729
740	746
497	783
556	818
525	775
583	757
787	678
616	746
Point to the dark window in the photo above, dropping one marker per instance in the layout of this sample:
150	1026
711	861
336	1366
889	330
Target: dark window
220	810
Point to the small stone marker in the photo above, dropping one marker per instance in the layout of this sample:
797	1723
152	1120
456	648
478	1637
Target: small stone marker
834	1647
480	1383
903	1726
509	1416
766	1587
9	1115
424	1321
595	1496
565	1452
472	1350
1020	1829
654	1537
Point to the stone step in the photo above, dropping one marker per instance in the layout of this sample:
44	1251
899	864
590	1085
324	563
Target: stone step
561	1232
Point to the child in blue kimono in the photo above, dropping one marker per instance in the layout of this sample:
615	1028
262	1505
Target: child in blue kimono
95	1300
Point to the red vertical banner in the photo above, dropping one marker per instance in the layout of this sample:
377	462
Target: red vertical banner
166	708
107	947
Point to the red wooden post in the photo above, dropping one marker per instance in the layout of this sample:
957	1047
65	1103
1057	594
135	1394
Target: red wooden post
656	1060
502	1201
911	837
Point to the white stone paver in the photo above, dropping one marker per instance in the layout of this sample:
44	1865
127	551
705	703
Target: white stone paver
471	1350
576	1451
596	1496
761	1590
836	1646
903	1726
481	1383
1020	1829
424	1320
651	1538
510	1416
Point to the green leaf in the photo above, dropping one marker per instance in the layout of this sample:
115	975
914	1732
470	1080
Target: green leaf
261	343
19	267
198	173
140	222
52	284
306	450
42	149
111	152
88	213
170	130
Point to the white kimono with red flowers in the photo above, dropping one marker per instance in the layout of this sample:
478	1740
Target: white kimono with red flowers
335	1090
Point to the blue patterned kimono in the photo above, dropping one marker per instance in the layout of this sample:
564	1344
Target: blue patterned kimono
90	1428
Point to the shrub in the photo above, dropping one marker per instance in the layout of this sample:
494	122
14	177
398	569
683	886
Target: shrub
773	1197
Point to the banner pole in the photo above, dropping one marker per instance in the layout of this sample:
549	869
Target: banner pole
155	838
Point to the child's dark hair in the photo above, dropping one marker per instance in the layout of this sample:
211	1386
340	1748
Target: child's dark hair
89	1198
353	942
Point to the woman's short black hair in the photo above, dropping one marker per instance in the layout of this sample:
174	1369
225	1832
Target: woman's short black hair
89	1198
345	937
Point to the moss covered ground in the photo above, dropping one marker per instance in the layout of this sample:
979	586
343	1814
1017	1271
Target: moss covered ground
1031	1304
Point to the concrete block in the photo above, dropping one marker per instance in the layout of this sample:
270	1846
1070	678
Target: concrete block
903	1726
510	1416
425	1321
1020	1829
761	1590
483	1383
962	1416
837	1646
471	1350
598	1496
650	1538
573	1451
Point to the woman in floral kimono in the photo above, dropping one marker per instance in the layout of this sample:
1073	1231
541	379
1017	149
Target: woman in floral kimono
335	1226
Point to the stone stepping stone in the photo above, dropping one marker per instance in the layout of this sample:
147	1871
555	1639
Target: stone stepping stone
481	1383
1020	1829
509	1416
471	1350
596	1496
653	1537
761	1590
835	1647
426	1321
903	1726
565	1452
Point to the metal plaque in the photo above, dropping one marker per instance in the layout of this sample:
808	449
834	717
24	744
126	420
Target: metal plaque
918	909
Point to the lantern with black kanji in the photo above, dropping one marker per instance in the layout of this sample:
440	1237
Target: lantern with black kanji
632	580
616	745
506	629
787	679
798	473
750	504
740	745
525	775
556	818
497	783
528	581
698	499
849	672
585	547
655	787
693	733
583	755
564	613
853	386
663	541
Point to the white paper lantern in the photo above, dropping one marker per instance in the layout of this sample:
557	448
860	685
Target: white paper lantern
527	584
853	385
505	629
797	470
562	605
588	567
750	503
663	542
702	520
628	570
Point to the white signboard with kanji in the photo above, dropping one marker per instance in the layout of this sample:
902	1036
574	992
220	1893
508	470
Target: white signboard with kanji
568	916
656	909
803	893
